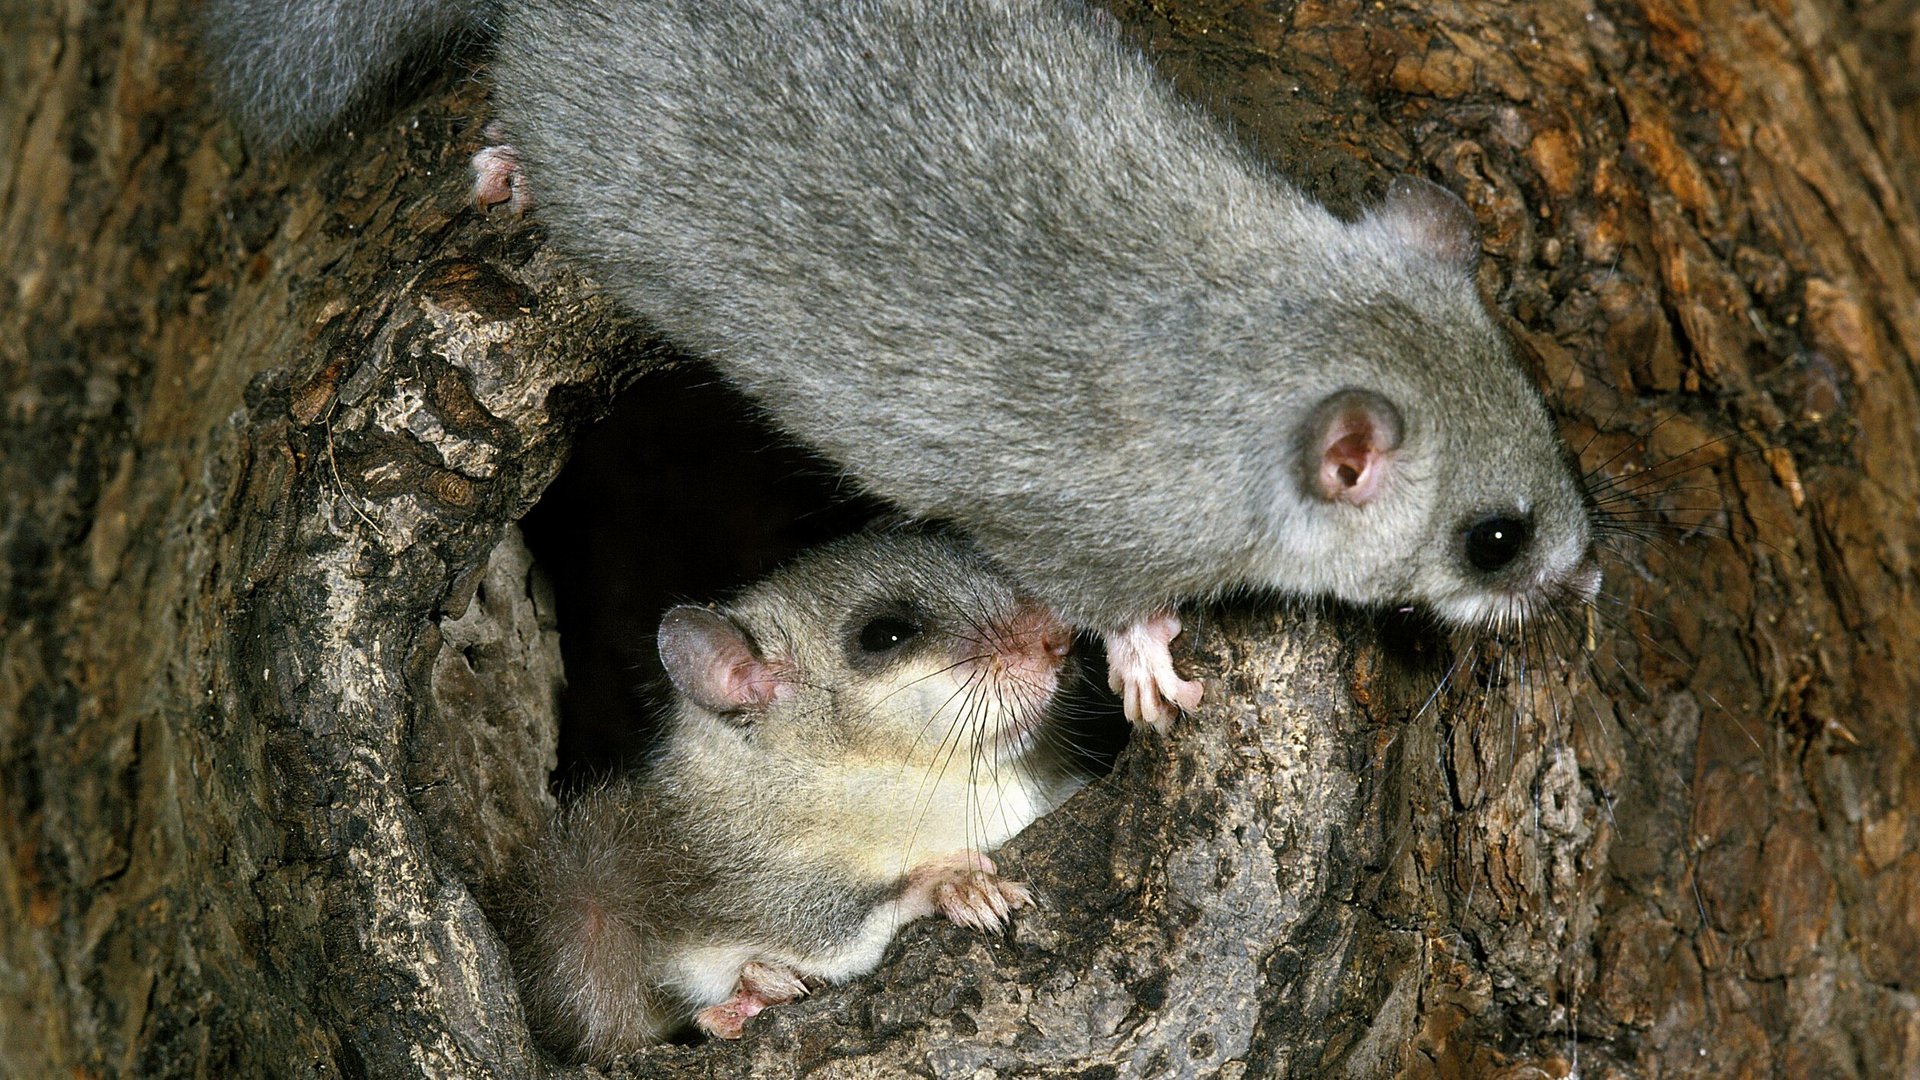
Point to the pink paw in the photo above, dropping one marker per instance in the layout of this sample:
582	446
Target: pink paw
760	986
497	179
1140	670
966	887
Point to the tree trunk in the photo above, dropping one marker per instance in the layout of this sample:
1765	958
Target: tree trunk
277	681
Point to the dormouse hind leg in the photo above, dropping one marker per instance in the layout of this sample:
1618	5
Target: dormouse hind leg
496	176
967	888
760	986
1140	670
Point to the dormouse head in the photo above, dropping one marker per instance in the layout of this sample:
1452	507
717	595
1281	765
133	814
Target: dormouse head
1433	474
902	645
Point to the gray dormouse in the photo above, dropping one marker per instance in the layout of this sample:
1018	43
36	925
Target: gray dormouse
848	738
987	261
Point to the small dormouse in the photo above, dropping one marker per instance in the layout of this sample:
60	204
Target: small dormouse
984	258
848	739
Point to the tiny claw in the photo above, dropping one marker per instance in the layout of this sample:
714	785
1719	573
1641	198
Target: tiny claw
1140	670
723	1021
759	986
966	888
771	984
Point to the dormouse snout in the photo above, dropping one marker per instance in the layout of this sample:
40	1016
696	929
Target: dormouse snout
1031	645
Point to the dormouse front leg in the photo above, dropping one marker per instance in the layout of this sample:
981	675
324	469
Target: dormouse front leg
967	888
1140	670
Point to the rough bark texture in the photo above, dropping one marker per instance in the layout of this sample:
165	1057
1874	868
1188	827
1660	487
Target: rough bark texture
276	701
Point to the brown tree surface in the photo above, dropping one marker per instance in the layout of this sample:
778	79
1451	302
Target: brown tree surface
277	684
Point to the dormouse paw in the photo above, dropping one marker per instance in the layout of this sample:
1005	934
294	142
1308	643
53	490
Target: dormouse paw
967	888
497	179
1140	670
760	986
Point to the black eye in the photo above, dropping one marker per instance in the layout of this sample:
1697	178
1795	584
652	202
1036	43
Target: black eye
1494	542
886	633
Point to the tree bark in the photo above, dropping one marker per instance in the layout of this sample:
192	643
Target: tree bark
277	681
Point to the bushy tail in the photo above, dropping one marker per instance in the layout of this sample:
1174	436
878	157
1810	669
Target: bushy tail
289	70
597	910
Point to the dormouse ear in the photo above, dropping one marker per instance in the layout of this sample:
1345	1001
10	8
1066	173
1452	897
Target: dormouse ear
712	661
1427	217
1350	439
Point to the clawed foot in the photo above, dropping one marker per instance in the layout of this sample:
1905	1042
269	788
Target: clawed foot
760	986
496	176
967	888
1140	670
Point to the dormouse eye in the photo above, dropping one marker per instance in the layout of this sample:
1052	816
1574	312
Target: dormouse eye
1495	541
887	633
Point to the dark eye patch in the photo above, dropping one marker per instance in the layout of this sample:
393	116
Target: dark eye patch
1495	541
883	633
886	633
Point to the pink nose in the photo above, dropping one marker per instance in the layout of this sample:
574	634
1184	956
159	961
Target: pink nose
1037	632
1057	639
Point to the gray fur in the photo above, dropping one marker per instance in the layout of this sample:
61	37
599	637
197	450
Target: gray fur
979	254
602	895
288	70
983	257
782	831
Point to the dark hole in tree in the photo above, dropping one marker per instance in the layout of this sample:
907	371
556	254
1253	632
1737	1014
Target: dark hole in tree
680	495
683	494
